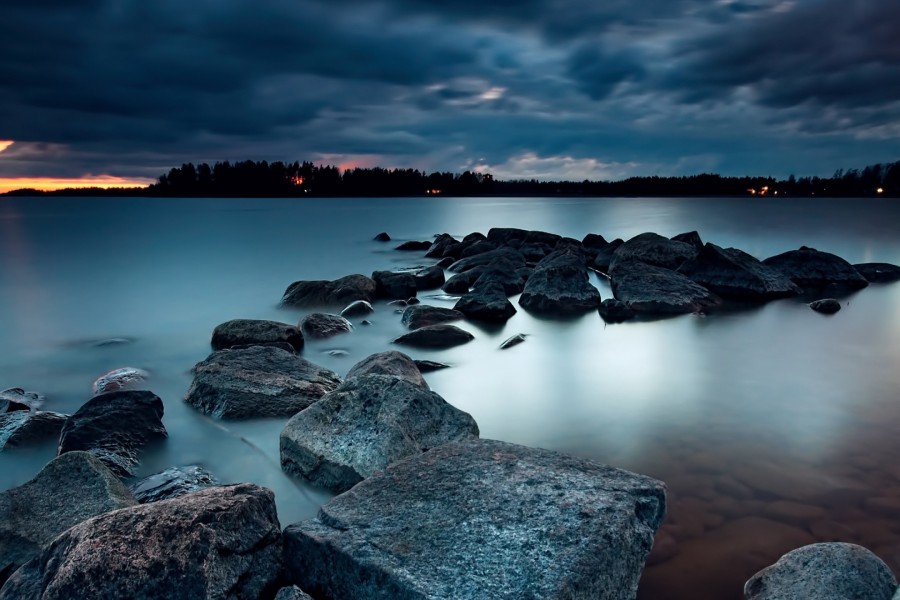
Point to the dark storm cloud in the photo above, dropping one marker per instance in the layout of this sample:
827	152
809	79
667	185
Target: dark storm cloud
599	70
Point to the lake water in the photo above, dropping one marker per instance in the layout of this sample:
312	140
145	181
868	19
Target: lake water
772	427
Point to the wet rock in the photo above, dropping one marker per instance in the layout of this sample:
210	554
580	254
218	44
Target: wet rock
535	252
172	483
477	248
412	301
398	303
487	302
878	272
382	237
445	262
257	382
366	424
560	287
810	268
440	245
504	235
648	289
324	325
461	283
481	260
126	378
219	543
360	308
292	593
427	366
511	277
481	519
22	428
615	311
654	249
340	292
389	284
255	332
115	427
435	336
603	256
413	246
391	363
513	341
423	315
827	571
827	306
430	278
475	236
14	399
691	237
594	241
69	489
336	352
734	274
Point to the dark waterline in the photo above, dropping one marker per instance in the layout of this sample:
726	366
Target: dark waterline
772	427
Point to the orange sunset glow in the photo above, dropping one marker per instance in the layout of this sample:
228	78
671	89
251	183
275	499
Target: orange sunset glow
49	184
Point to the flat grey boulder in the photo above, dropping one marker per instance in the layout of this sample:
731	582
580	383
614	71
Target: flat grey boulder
486	258
436	336
613	310
259	381
14	399
69	489
390	362
734	274
324	325
124	378
560	286
115	427
828	571
391	285
481	519
487	302
24	428
360	308
256	332
219	543
656	250
810	268
423	315
827	306
171	483
647	289
365	425
878	272
340	292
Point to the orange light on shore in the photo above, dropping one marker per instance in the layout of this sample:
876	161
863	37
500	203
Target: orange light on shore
880	190
4	144
49	184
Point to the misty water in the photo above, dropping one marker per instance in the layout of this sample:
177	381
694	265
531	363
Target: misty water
772	427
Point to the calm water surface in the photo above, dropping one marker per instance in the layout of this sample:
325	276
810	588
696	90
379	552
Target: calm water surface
773	427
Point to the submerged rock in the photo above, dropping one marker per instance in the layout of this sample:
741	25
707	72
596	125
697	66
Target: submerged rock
172	483
560	286
654	249
69	489
413	245
14	399
360	308
827	306
655	290
391	285
810	268
382	237
513	341
481	519
222	543
615	311
324	325
369	422
340	292
255	332
828	571
423	315
734	274
426	366
391	363
23	428
878	272
486	302
257	382
436	336
115	427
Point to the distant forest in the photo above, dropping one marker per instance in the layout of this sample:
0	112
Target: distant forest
279	179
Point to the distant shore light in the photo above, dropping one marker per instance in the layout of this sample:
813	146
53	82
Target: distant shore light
880	190
4	144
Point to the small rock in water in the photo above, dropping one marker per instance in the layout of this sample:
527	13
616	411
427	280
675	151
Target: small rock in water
337	353
324	325
14	399
365	322
827	306
119	379
426	366
357	309
172	483
422	315
401	303
382	237
615	311
436	336
513	341
111	342
256	332
412	301
414	245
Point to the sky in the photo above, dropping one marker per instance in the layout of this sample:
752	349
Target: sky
119	91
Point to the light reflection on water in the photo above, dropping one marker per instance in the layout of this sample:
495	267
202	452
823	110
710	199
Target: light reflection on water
707	404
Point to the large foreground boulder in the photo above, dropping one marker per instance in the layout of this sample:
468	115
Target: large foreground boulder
829	571
115	427
340	292
423	315
435	336
560	286
69	489
23	428
260	381
220	543
256	332
481	519
734	274
654	249
487	302
811	268
647	289
366	424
